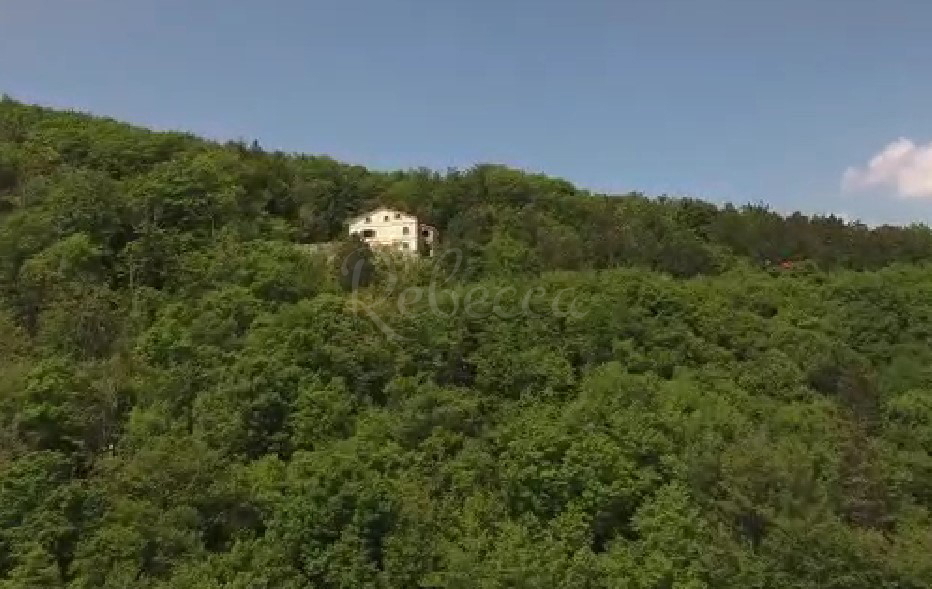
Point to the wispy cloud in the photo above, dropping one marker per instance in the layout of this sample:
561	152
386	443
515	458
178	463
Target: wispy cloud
902	166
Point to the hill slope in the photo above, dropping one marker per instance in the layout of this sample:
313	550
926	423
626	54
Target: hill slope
604	392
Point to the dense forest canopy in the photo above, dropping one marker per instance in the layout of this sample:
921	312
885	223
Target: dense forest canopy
188	399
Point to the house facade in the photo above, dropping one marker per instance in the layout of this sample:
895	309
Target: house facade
389	228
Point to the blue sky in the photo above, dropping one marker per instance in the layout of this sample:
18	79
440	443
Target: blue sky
739	100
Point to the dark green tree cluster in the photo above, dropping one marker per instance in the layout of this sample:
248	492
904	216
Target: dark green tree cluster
606	393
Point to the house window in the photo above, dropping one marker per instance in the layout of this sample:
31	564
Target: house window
426	232
405	230
386	218
368	219
368	233
404	245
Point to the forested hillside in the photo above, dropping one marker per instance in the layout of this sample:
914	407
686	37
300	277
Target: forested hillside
190	400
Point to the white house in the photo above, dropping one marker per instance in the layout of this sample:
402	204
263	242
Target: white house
388	228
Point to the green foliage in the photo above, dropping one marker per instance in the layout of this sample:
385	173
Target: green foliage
576	390
354	264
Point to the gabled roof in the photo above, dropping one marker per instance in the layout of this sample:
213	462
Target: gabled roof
375	211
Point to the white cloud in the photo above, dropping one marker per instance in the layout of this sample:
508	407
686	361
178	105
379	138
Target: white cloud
902	166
